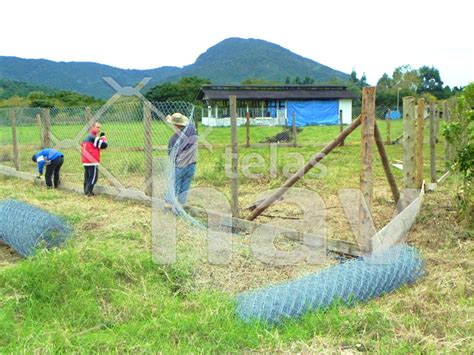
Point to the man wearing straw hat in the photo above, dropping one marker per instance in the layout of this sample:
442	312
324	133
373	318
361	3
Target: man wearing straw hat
182	149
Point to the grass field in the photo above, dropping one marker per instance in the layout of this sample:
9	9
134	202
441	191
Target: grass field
339	170
103	292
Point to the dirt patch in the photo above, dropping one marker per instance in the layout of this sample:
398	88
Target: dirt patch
8	257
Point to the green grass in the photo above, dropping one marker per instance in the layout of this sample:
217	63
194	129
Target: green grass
102	292
100	300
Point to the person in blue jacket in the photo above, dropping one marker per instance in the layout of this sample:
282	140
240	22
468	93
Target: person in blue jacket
53	160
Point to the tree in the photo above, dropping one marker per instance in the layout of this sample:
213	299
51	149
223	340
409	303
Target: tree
186	89
384	83
353	78
430	81
363	81
406	78
307	80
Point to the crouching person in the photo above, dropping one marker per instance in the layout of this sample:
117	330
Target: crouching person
182	149
53	160
91	147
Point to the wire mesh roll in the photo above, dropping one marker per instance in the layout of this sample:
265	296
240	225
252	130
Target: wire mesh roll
26	228
353	281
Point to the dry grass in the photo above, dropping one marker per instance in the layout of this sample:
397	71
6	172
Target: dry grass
436	313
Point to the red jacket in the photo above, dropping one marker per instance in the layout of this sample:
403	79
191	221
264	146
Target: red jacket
91	148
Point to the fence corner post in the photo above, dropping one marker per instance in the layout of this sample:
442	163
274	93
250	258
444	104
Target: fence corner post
366	171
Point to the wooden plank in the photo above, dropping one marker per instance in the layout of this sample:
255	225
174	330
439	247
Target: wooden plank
386	165
366	180
148	147
235	156
316	158
433	142
420	122
396	230
16	159
409	167
443	177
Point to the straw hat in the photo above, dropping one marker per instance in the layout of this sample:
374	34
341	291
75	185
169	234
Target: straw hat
177	119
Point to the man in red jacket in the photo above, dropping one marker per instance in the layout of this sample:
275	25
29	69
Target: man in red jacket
91	147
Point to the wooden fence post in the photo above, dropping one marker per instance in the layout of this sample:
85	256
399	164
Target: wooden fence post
40	126
148	147
366	172
294	129
46	127
88	114
387	121
247	128
409	136
235	156
433	142
386	164
341	127
420	123
16	159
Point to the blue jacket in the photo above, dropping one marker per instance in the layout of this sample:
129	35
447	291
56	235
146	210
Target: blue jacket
46	156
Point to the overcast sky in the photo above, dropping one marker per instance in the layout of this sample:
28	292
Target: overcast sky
370	36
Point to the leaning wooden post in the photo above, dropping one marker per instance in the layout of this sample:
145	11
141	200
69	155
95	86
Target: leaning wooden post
387	121
386	165
16	159
420	123
294	129
247	128
433	142
315	159
235	156
409	167
148	147
46	127
341	126
366	172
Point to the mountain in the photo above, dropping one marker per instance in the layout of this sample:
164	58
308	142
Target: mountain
9	88
82	77
236	59
229	62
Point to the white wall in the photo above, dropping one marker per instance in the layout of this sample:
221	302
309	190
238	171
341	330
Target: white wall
346	106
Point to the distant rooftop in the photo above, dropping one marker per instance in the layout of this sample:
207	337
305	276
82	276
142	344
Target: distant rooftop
275	92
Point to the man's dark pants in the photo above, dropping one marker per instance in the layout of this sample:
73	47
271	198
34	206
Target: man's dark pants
52	172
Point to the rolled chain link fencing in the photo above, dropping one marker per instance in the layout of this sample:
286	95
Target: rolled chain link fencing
137	135
357	280
25	228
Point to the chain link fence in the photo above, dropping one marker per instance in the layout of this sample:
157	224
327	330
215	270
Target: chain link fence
133	130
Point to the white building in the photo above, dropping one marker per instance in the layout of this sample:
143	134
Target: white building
277	105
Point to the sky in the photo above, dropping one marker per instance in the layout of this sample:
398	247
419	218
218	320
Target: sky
371	37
